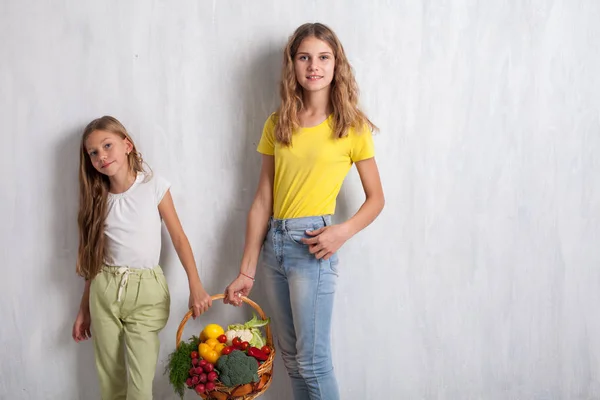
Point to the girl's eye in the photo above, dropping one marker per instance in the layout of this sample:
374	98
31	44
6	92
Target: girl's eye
107	146
303	58
324	57
92	153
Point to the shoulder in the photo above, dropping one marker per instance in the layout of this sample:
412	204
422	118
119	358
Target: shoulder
272	120
362	129
157	183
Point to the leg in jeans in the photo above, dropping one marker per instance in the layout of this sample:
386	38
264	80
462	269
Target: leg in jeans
283	323
305	338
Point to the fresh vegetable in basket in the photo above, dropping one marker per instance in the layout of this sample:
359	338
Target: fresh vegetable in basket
248	332
179	364
210	350
211	331
202	378
237	368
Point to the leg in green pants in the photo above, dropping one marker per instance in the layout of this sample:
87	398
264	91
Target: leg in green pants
129	307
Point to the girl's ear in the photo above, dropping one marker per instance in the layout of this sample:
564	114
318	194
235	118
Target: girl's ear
128	146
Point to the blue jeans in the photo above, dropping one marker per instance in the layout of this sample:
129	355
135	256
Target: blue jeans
301	289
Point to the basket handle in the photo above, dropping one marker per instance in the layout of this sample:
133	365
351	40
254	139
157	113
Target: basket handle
221	296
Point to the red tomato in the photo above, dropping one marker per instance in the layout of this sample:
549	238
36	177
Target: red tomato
244	346
266	350
236	342
226	350
222	339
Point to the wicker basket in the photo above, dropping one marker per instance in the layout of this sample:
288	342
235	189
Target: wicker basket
265	370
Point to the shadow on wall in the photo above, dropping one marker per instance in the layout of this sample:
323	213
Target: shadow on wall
260	97
61	273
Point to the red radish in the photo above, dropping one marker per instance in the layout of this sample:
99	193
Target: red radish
195	380
210	386
192	371
208	367
202	377
197	371
203	363
194	354
212	376
200	388
189	383
194	361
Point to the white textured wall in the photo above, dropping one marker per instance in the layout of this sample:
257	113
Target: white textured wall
479	281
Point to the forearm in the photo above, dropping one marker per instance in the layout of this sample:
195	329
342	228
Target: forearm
366	214
256	229
186	257
85	297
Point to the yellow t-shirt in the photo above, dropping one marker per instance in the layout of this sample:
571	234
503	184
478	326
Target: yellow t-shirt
309	173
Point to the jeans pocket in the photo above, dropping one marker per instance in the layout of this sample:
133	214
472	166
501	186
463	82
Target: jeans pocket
297	235
333	263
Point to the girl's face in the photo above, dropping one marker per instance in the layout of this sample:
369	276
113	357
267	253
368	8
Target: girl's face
314	64
108	151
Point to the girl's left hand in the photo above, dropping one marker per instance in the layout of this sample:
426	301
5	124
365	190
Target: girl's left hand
200	301
326	240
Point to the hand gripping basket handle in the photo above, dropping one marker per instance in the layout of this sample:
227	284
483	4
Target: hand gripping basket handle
221	296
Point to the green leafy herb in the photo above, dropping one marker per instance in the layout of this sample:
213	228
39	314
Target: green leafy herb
180	362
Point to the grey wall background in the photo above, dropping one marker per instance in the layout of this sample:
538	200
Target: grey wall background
479	280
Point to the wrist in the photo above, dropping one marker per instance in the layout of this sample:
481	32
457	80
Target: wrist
194	283
247	276
347	229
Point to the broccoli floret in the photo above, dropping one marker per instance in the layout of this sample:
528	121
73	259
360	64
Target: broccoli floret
237	368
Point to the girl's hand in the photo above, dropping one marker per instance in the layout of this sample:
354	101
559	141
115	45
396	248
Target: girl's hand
200	301
82	326
326	240
241	286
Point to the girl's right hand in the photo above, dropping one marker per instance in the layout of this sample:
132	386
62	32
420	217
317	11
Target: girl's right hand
82	326
240	286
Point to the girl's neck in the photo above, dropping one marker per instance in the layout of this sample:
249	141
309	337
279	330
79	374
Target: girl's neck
121	181
316	104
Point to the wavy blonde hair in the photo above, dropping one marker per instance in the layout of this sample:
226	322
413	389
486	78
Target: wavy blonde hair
344	90
93	195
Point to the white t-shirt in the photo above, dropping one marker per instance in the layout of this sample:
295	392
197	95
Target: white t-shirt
133	224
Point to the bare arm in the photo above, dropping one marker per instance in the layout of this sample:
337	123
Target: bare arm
327	240
256	229
374	198
82	326
199	299
85	297
258	217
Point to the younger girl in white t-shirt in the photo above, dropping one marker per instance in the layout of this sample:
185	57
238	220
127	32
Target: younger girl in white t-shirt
126	298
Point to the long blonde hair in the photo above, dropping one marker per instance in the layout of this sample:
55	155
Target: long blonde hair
93	195
344	90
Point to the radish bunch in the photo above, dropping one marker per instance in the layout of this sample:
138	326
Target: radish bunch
202	375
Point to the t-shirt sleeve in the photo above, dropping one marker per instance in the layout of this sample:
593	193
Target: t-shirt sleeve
161	185
267	140
362	145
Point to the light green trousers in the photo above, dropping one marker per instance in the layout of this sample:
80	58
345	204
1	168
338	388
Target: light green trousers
128	307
